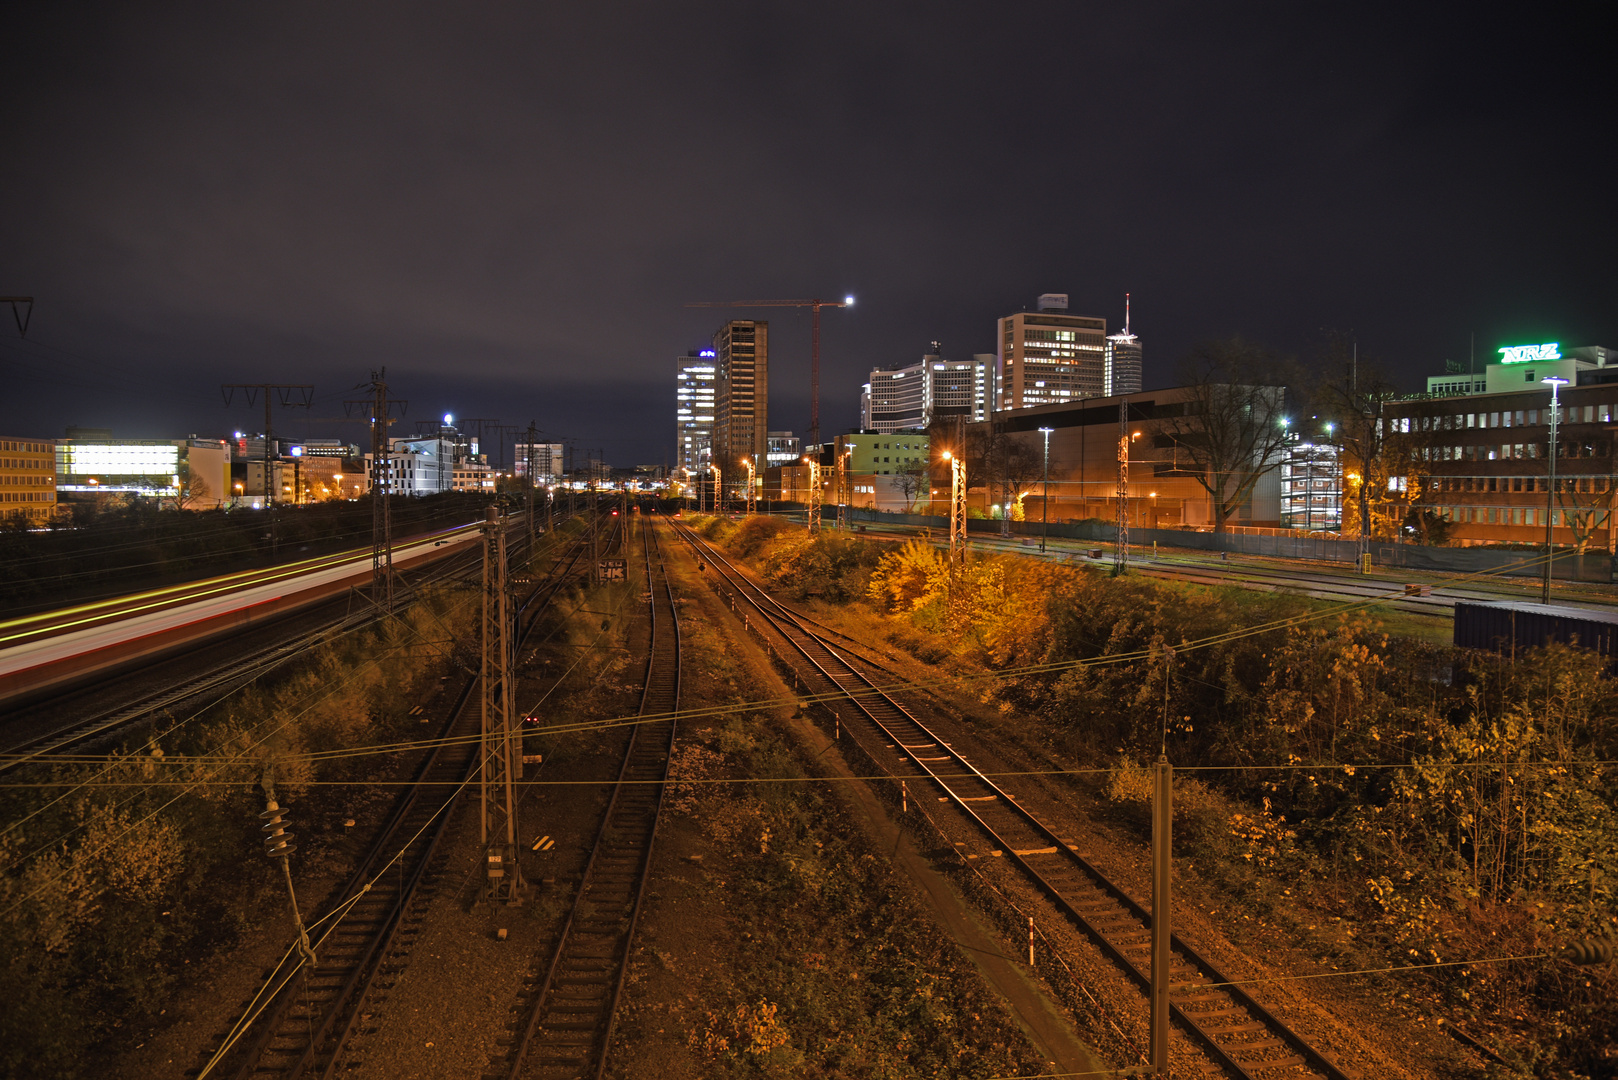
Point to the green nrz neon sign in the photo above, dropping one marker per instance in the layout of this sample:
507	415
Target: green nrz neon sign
1527	354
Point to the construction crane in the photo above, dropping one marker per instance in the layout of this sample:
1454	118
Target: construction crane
814	307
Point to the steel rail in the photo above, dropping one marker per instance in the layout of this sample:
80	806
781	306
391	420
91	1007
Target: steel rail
566	1026
225	677
311	1012
1111	918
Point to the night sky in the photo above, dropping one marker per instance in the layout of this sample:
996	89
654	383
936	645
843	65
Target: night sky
508	204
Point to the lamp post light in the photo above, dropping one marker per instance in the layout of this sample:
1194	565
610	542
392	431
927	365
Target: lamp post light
1555	383
1045	510
1325	517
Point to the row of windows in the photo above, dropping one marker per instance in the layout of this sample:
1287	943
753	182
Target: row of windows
27	496
1517	515
1510	451
28	481
20	447
1494	484
1571	414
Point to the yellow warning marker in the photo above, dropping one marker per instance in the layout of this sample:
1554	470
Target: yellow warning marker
544	843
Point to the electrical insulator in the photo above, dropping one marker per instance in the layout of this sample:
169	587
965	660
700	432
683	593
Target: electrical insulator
277	841
1589	951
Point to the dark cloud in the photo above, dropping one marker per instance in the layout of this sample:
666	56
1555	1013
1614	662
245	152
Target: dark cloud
508	205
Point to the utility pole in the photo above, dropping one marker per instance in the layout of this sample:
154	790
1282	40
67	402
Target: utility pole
1555	383
752	500
1045	500
284	391
814	307
814	494
528	471
1162	959
502	763
957	507
23	317
1005	479
377	408
1120	555
842	482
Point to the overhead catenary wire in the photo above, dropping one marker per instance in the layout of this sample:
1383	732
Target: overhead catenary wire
236	758
1147	652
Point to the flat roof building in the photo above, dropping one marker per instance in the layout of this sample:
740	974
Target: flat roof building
1480	462
28	480
1048	357
742	393
914	395
695	386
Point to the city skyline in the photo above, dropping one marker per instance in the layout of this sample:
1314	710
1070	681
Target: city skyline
203	196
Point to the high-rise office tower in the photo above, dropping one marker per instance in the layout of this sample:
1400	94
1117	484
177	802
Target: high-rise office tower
695	382
1121	374
914	395
742	396
1046	357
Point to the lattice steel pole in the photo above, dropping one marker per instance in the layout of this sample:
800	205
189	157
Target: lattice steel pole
502	763
752	499
381	490
957	507
1120	554
842	481
814	494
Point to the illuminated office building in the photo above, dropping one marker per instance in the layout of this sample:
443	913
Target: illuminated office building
695	384
1048	357
914	395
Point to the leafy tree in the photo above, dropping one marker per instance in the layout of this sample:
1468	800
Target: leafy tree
1231	431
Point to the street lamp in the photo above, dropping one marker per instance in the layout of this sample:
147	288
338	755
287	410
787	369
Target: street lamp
1555	382
1045	529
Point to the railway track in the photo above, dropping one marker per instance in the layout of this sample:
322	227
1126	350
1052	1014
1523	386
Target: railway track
304	1014
101	723
1239	1033
564	1023
1316	583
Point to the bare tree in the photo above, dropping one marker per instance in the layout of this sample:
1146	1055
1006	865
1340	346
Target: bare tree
1232	431
1001	463
912	478
1586	494
1384	471
191	490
